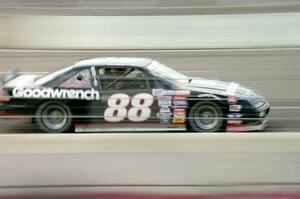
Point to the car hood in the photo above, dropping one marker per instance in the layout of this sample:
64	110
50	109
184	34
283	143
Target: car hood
219	87
22	81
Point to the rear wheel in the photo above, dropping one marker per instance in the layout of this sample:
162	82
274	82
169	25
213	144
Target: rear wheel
54	117
205	116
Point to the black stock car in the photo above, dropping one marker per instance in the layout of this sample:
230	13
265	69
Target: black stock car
130	94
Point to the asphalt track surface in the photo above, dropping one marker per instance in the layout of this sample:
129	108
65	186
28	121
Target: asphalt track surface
273	73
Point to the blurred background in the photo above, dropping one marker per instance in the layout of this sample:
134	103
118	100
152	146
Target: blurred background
253	42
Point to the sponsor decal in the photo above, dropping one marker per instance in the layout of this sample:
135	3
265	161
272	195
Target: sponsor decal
165	118
234	115
179	111
180	103
176	92
50	93
232	100
169	92
234	121
164	115
162	101
235	108
179	97
165	97
179	116
157	92
179	107
183	92
209	96
165	109
165	121
244	127
178	120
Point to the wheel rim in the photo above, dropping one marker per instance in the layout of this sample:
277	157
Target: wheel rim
206	117
54	117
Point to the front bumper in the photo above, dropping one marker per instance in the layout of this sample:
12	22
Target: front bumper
249	118
247	127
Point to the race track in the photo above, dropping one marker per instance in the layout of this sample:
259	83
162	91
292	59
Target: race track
273	73
252	42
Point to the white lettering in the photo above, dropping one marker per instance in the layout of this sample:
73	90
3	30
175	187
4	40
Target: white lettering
56	93
17	92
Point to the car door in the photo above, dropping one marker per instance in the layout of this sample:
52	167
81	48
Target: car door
84	83
130	100
127	100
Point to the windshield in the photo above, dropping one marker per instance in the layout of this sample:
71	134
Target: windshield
164	72
43	80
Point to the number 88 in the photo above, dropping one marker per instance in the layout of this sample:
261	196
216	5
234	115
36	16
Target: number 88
117	103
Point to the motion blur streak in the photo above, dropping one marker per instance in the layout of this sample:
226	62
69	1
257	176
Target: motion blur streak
144	7
130	32
157	196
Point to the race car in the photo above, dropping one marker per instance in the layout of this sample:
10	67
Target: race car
130	94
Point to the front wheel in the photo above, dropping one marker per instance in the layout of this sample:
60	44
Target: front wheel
53	117
205	116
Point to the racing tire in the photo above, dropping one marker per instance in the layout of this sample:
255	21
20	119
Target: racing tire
53	117
205	116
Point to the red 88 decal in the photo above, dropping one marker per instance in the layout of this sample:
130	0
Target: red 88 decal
139	112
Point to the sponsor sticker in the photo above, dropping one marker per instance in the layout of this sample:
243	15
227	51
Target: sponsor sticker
179	107
165	118
169	92
234	121
179	116
165	121
165	97
183	92
179	111
234	115
164	101
157	92
235	108
50	93
209	96
232	100
180	103
235	128
179	97
164	115
165	109
178	120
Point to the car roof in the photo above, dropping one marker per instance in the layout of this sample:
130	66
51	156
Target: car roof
114	61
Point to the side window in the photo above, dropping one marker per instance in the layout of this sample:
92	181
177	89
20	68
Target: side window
122	79
80	80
